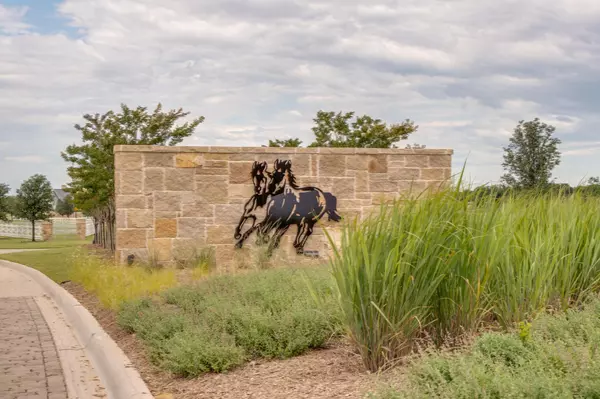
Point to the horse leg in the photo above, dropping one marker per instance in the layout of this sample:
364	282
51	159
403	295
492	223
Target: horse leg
301	231
249	207
247	233
276	238
309	231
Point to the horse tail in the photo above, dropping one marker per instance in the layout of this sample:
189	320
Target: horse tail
331	207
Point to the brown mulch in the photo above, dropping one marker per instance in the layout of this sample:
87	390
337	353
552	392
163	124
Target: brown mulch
330	373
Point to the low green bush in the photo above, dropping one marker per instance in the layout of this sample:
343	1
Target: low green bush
223	321
560	360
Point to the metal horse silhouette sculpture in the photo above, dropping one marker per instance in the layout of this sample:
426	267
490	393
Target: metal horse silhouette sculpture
286	203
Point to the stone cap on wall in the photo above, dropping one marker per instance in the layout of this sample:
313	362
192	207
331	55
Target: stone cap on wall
284	150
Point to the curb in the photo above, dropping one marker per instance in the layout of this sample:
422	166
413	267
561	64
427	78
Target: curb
120	379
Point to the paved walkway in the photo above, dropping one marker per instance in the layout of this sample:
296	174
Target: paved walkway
40	356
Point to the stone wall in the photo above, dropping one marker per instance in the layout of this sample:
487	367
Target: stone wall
172	201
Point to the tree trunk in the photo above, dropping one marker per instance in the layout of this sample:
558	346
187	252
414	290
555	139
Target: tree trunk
33	230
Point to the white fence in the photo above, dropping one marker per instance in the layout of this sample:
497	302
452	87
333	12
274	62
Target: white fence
20	229
60	226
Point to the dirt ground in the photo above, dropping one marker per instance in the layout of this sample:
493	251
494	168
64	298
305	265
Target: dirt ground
331	373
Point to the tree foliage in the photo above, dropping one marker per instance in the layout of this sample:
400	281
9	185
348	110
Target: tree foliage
295	142
531	155
65	207
4	202
92	163
337	130
34	200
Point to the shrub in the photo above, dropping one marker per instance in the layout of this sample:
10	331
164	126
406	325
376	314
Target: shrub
223	321
559	362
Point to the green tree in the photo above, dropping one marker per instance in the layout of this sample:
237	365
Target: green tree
285	143
531	155
65	207
337	130
92	163
4	202
34	200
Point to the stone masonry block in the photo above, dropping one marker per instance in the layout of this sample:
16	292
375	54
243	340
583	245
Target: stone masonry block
332	165
130	202
417	161
154	179
167	201
378	164
131	238
343	187
130	182
239	172
139	219
128	161
179	179
440	161
161	249
220	234
159	160
189	160
212	192
433	174
191	228
404	173
165	228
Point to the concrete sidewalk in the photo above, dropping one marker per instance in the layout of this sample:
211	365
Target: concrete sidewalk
41	349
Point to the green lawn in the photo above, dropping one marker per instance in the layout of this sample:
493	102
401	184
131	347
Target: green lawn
56	242
53	261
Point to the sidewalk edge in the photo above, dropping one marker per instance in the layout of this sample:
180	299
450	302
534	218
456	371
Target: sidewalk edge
119	377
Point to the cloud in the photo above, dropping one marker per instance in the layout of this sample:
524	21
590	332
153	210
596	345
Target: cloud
11	20
465	71
26	158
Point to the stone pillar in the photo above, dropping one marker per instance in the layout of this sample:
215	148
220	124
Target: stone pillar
80	226
46	230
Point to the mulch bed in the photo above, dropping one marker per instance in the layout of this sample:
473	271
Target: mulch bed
331	373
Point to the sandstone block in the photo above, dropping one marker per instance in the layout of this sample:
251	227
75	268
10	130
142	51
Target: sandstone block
343	187
377	164
332	165
131	238
433	174
191	228
158	160
215	192
179	179
417	161
139	219
228	214
220	234
188	160
154	179
165	228
121	218
128	161
167	201
404	173
301	164
204	171
131	182
198	209
440	161
383	186
130	202
357	162
239	172
244	191
216	156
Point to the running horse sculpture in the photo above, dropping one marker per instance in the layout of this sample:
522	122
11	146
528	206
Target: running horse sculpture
287	204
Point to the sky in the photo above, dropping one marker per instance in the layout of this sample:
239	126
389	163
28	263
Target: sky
466	71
